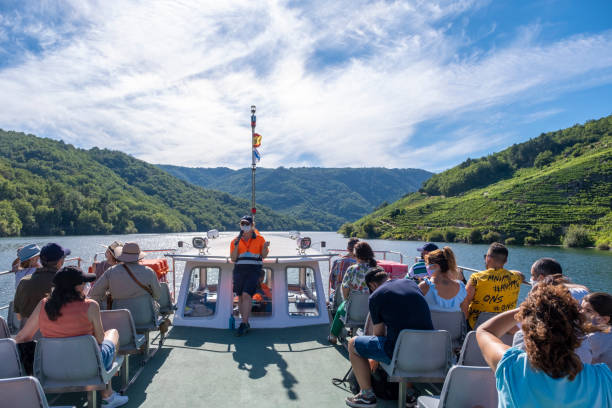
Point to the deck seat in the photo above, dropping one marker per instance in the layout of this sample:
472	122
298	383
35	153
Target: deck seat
129	341
144	316
4	329
470	352
14	324
9	356
419	356
23	392
73	364
166	307
453	322
465	387
356	309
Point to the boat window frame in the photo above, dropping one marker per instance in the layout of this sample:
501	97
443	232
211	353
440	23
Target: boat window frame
188	291
300	279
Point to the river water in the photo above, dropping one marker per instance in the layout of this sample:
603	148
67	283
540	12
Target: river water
586	266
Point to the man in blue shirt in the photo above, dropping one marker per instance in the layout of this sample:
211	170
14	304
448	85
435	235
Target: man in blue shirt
395	305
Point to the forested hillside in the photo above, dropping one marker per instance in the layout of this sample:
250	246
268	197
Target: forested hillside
49	187
553	189
328	196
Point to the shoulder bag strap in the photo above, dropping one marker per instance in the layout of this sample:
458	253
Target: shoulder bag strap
146	288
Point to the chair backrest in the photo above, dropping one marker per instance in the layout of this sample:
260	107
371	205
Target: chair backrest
120	319
467	387
422	354
453	322
10	365
165	300
69	361
470	352
483	317
22	392
142	311
4	330
14	324
356	309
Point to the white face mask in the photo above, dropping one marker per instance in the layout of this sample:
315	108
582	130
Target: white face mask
245	228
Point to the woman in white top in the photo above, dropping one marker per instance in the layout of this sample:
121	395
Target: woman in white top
597	307
441	290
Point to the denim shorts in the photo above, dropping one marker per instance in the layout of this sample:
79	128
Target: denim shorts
107	350
372	347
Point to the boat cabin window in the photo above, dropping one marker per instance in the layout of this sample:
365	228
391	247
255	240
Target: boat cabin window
202	295
302	291
262	300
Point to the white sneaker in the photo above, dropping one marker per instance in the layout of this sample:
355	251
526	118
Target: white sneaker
115	400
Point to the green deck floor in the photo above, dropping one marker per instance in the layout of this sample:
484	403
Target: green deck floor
266	368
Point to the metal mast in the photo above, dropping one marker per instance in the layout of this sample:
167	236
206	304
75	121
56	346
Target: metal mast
253	162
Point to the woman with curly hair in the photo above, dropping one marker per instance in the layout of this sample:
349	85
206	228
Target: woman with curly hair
548	372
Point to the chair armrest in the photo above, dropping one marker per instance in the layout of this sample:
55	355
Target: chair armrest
429	402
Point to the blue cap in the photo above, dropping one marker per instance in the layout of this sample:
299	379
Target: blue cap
247	218
430	246
53	252
28	252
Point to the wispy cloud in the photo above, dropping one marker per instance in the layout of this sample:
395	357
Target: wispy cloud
336	83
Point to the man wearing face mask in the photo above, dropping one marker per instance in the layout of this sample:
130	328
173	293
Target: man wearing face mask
247	251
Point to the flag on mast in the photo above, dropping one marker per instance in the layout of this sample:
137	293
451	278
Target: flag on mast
256	140
257	155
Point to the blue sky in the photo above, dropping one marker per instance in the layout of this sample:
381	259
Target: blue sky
346	83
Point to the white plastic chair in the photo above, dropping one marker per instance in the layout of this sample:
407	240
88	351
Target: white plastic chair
465	387
14	324
419	356
73	364
356	309
470	352
10	364
22	392
453	322
165	300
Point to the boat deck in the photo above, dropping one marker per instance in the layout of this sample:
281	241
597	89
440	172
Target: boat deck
290	367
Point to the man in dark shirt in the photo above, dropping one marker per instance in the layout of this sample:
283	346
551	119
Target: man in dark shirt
34	287
395	305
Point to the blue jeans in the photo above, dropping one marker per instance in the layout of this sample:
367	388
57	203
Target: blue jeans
372	347
107	350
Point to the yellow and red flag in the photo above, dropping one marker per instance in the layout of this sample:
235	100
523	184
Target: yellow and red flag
256	140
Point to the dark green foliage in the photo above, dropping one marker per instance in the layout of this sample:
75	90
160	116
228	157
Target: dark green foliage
577	237
511	241
575	188
49	187
327	196
475	236
492	236
543	159
530	240
369	230
435	236
449	235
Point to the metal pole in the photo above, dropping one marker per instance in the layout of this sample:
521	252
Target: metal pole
253	163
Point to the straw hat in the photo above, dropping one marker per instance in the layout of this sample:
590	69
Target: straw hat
129	252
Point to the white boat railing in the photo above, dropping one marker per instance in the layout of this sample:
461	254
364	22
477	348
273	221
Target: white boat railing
384	253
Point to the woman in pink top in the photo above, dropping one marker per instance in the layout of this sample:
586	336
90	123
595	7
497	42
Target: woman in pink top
67	313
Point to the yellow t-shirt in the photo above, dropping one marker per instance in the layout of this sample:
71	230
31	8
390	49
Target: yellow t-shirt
496	290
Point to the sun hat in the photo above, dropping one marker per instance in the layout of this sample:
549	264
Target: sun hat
71	276
53	252
112	246
28	252
129	252
430	246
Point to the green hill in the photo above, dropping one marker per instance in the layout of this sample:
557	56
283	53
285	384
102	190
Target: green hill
48	187
328	196
529	193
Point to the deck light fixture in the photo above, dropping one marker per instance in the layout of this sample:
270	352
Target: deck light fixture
199	242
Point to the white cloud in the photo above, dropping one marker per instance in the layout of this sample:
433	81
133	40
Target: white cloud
172	82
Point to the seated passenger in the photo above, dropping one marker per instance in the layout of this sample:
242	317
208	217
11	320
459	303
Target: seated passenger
339	268
548	373
28	256
544	267
597	308
494	290
263	292
128	279
33	288
389	302
109	254
354	280
67	313
442	292
418	271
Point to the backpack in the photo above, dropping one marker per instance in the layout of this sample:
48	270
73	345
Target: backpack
382	388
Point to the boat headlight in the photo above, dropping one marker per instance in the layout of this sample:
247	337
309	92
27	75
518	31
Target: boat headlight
304	243
199	242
